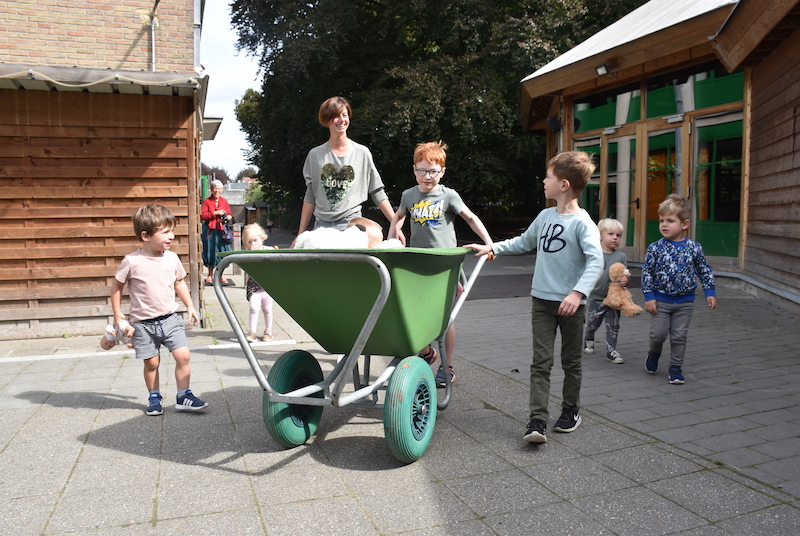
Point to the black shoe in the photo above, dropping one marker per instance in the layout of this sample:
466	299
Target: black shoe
536	432
568	421
430	356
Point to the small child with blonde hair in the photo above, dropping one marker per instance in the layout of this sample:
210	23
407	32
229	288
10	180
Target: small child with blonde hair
610	236
253	237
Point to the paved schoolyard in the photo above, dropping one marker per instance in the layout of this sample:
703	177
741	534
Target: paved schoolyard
718	455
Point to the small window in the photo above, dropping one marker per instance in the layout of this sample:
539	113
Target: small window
607	109
693	88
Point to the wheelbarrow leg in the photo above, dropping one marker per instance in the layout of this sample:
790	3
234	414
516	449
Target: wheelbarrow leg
448	385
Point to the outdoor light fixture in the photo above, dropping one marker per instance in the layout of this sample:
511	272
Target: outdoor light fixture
602	70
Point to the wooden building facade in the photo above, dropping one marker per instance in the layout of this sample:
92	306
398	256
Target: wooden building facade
764	39
695	97
93	126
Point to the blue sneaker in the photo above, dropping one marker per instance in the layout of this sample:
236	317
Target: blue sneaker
154	406
652	362
675	376
440	377
189	402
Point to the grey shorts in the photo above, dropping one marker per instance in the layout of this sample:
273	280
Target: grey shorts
151	334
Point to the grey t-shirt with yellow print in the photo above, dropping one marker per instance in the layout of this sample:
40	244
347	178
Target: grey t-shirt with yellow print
431	216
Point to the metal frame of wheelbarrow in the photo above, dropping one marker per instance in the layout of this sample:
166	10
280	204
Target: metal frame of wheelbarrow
328	392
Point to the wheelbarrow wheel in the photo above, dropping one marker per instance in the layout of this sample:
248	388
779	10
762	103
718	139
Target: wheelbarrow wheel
292	425
409	410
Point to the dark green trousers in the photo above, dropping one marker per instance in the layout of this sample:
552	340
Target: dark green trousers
545	320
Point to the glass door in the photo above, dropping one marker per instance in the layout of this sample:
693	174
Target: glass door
718	183
663	175
621	200
590	198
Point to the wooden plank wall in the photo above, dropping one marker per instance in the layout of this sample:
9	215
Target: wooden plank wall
772	250
74	167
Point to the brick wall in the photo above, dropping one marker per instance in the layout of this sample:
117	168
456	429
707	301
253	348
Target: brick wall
101	34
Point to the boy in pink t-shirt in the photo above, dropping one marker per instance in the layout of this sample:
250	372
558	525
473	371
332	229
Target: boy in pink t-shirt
154	275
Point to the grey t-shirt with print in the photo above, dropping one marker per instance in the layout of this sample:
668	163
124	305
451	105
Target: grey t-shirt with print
338	185
431	216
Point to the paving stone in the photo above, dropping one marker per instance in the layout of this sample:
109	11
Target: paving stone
782	519
710	495
579	477
559	519
646	463
502	491
636	511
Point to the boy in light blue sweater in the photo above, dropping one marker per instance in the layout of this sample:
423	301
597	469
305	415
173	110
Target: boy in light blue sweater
569	261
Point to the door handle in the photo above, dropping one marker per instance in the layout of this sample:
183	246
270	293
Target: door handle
637	202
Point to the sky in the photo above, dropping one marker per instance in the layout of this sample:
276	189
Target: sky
230	75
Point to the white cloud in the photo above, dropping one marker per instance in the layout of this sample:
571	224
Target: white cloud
230	75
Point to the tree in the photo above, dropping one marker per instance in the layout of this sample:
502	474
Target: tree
249	172
248	111
215	172
414	71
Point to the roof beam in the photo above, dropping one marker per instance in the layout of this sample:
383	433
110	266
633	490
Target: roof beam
747	27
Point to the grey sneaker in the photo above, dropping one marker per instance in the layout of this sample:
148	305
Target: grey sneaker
614	357
536	432
588	347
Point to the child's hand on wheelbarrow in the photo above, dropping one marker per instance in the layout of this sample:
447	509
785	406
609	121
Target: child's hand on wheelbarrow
481	249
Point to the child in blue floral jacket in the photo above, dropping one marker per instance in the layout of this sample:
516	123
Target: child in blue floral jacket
669	279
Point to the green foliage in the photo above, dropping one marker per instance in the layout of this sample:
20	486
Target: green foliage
413	71
215	172
249	172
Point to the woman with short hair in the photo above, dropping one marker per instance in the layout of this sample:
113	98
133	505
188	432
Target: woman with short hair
340	174
214	212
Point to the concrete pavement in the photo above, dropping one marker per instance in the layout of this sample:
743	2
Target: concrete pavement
718	455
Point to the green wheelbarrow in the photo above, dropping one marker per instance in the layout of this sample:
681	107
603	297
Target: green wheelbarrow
356	303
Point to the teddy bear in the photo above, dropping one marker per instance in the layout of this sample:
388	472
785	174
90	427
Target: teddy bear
618	296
